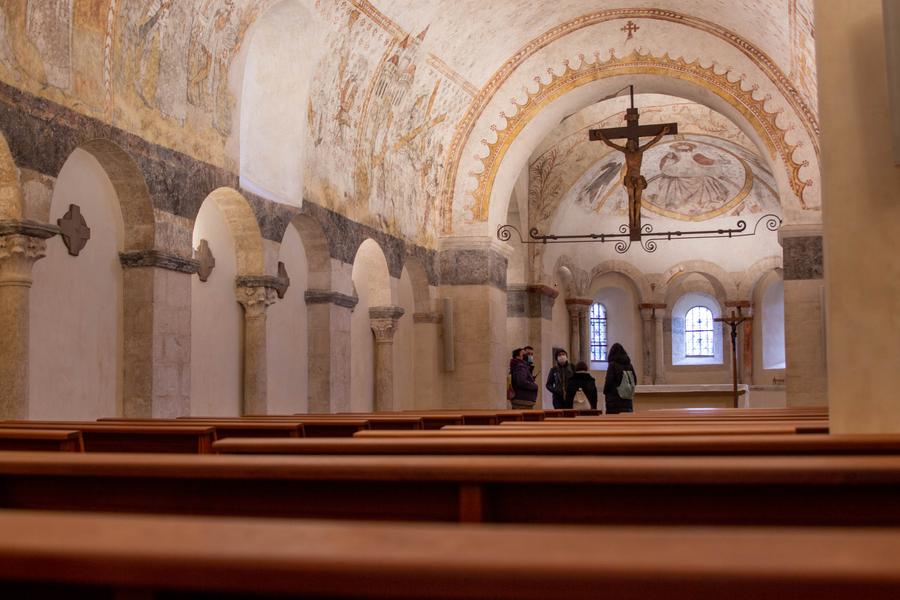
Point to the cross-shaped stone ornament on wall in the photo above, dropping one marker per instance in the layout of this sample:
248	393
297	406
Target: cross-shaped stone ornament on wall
207	261
74	230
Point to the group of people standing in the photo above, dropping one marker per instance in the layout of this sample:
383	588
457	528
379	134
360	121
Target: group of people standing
567	383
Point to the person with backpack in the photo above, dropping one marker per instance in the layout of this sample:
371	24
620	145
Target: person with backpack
620	381
558	378
582	381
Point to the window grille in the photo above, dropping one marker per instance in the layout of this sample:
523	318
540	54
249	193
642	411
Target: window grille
698	332
598	332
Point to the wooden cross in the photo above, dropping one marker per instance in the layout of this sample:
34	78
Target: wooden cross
207	260
74	230
630	28
733	321
634	182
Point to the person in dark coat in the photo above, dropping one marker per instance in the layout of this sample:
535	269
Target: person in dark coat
619	363
523	382
558	378
584	381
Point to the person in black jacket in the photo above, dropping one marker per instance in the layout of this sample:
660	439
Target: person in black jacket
619	363
583	380
558	378
522	381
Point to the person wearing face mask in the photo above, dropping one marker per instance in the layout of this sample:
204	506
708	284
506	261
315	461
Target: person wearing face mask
524	388
529	357
558	378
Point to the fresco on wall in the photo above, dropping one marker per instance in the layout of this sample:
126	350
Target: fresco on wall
692	178
378	151
707	172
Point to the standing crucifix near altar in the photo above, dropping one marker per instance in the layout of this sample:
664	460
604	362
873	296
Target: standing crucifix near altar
733	321
634	182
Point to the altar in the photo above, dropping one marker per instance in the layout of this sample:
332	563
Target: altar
651	397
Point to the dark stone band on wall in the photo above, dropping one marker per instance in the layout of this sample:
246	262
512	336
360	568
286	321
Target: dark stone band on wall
473	267
531	301
428	317
803	258
328	297
29	228
158	259
43	134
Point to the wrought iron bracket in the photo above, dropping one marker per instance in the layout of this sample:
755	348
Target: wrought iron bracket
649	238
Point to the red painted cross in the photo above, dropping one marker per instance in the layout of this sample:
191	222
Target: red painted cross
630	28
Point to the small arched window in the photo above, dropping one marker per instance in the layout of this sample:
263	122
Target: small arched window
598	332
698	332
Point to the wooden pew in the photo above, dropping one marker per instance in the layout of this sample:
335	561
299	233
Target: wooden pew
57	555
312	427
41	440
632	490
100	437
673	430
224	428
759	445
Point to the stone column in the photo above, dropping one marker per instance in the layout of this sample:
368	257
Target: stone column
328	322
384	326
473	279
22	243
530	309
804	325
255	299
659	345
156	380
579	323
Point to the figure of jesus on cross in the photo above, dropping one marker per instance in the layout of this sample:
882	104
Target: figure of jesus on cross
634	182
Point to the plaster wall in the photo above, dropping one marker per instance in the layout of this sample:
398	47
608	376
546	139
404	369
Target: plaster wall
216	323
75	362
286	335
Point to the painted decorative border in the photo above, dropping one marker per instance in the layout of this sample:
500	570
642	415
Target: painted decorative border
487	92
635	63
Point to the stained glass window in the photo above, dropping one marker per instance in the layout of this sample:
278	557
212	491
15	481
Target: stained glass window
598	332
698	332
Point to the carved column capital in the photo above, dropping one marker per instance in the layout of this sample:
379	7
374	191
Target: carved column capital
18	253
384	322
255	299
578	307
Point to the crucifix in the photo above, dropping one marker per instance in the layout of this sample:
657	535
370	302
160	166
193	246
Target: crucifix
634	182
733	322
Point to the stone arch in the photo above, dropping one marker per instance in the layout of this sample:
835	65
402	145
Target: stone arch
370	259
757	106
372	282
11	202
753	276
283	48
318	256
720	280
631	273
87	293
131	188
420	287
244	229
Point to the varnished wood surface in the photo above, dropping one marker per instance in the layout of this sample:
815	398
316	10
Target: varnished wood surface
653	445
41	440
325	559
113	437
508	432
